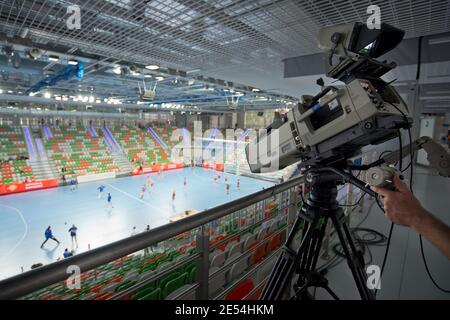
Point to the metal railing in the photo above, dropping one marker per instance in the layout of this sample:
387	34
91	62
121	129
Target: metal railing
33	280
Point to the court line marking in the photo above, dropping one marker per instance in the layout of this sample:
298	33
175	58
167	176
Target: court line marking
222	181
24	234
136	198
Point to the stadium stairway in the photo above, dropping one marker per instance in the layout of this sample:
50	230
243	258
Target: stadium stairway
117	153
122	162
29	142
40	163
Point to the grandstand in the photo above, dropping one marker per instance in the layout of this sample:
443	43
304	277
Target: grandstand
141	147
76	152
14	163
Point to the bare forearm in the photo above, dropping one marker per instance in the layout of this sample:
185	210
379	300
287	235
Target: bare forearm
435	231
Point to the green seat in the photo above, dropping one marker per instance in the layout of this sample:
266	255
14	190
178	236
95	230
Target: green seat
174	254
192	275
173	285
168	278
125	285
143	292
154	295
150	266
188	268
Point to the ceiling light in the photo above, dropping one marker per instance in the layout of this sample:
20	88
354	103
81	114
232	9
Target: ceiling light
47	95
53	58
10	91
34	53
91	99
152	67
72	62
1	91
255	90
159	78
116	70
193	71
147	76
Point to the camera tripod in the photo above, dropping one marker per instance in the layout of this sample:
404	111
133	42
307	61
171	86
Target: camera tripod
320	207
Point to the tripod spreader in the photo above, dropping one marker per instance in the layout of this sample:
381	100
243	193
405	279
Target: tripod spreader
301	257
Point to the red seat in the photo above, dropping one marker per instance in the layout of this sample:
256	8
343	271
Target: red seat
275	242
257	294
103	296
252	245
258	254
96	288
241	290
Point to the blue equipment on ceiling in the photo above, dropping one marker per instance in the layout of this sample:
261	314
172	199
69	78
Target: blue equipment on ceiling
66	73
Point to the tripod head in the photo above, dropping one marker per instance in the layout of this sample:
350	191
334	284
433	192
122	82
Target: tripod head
323	175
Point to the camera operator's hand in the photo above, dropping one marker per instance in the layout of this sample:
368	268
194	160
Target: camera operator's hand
400	206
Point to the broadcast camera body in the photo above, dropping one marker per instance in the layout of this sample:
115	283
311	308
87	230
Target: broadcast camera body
333	125
323	133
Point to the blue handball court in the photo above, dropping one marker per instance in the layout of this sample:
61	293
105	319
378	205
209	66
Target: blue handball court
24	217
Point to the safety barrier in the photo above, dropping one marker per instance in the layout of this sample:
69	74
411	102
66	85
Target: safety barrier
157	168
95	177
199	224
28	186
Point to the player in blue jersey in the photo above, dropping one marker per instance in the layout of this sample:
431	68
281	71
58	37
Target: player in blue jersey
100	189
72	185
73	234
67	253
49	235
109	200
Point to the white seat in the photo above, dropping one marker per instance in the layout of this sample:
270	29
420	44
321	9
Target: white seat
216	282
218	260
265	270
131	277
109	287
237	269
236	248
248	241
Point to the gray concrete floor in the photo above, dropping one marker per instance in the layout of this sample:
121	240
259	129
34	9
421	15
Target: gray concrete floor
405	276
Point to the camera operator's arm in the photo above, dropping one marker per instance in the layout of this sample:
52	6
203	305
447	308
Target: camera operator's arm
403	208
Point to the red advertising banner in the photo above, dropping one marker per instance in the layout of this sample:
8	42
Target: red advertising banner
157	168
28	186
214	166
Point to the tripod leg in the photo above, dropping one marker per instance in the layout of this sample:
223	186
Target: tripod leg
359	261
286	263
331	293
308	261
354	258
